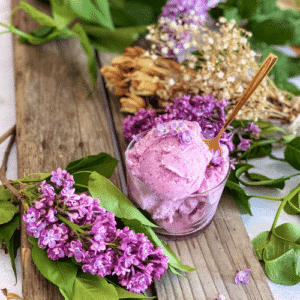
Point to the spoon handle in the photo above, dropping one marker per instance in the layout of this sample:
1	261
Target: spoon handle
252	86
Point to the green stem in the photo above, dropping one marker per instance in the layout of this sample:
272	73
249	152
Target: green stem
74	227
80	185
269	198
282	205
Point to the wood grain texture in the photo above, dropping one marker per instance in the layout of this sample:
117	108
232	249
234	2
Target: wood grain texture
56	122
217	254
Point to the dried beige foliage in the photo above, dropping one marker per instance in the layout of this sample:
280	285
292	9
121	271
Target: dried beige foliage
223	66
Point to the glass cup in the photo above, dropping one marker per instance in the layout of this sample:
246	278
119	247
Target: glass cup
190	215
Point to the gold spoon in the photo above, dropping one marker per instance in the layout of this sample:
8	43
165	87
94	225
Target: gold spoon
262	72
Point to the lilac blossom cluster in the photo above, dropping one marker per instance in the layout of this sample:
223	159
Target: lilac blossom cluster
206	110
74	225
175	21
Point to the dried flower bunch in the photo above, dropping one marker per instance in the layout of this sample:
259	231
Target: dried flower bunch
219	63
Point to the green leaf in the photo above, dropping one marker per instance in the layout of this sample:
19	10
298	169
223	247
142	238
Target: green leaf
113	200
60	272
7	211
239	196
292	153
259	148
232	14
12	246
292	206
247	9
280	252
78	31
258	243
40	17
102	163
113	41
35	177
282	269
289	232
124	294
90	287
5	194
62	12
273	29
94	11
261	180
137	226
7	230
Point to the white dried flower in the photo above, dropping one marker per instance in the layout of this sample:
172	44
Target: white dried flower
171	82
220	74
164	50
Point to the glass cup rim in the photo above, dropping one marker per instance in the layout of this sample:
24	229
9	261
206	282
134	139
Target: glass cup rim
130	145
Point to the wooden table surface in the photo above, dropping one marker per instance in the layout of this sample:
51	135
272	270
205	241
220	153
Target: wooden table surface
58	122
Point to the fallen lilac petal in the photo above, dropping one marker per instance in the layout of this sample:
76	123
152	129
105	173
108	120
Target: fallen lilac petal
221	297
242	276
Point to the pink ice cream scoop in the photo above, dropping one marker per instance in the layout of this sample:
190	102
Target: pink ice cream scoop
167	168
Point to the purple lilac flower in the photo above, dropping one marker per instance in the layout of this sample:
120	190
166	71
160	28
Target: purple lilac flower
217	158
180	13
50	217
49	238
94	241
244	144
72	246
57	252
31	215
47	190
136	282
140	122
186	137
35	229
242	276
206	110
177	127
161	129
253	128
62	178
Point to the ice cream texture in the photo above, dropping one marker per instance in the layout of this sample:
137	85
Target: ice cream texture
168	167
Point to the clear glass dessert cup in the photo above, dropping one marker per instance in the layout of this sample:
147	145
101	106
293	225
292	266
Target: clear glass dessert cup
191	215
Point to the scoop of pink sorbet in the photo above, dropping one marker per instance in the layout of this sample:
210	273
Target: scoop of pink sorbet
173	168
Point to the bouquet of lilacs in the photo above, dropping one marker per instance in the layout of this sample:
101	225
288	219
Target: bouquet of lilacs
74	225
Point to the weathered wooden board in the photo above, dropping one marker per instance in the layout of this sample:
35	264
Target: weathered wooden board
217	254
56	122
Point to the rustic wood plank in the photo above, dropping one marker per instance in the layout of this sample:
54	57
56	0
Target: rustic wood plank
56	122
216	254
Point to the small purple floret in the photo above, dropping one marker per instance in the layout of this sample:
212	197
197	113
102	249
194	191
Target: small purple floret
244	144
242	276
253	128
217	159
161	129
186	137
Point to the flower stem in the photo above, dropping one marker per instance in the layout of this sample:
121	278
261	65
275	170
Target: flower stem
288	197
74	227
268	198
